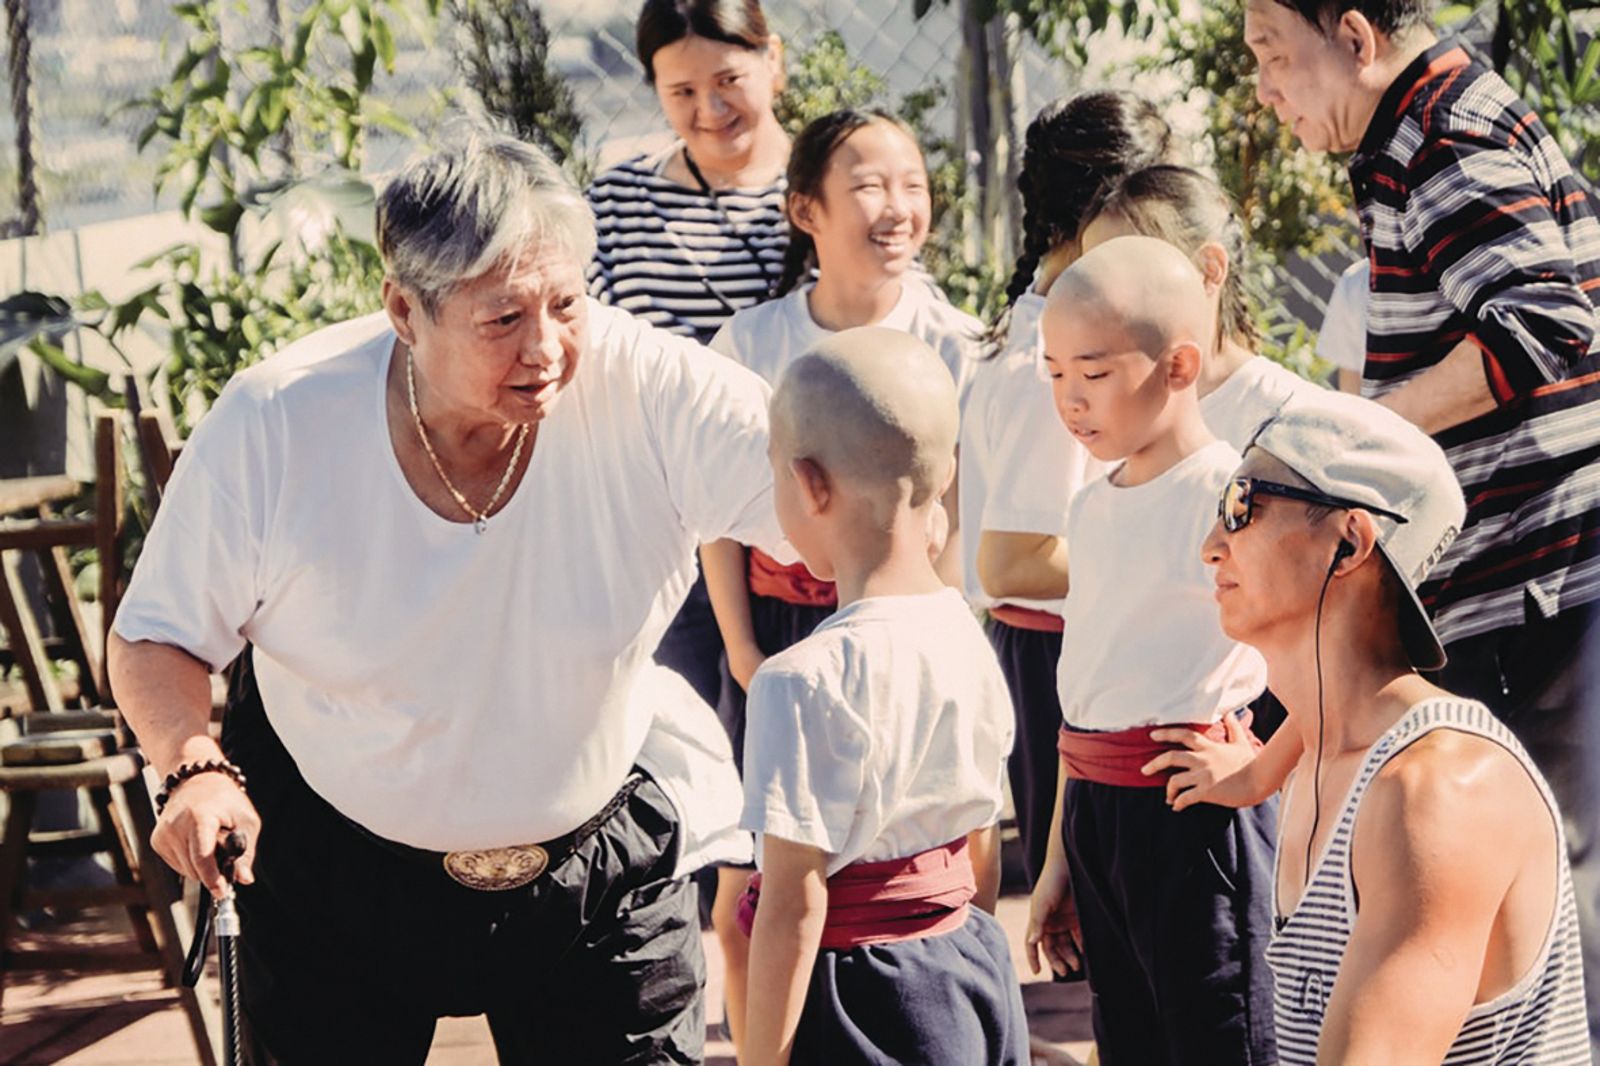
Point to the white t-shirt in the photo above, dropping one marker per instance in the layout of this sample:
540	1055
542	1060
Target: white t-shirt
1147	646
1342	340
1019	465
768	337
688	753
882	734
444	688
1252	394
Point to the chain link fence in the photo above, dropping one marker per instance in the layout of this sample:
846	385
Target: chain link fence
91	59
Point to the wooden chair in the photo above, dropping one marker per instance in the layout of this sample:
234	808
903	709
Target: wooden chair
52	748
29	524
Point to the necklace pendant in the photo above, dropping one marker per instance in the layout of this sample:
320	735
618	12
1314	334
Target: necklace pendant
480	524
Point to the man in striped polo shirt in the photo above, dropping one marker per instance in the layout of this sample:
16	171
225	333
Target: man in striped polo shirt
1484	251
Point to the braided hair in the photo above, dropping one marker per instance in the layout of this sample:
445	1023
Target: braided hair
1070	150
808	164
1188	210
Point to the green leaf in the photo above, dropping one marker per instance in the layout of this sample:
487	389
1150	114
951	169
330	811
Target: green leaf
379	113
383	40
223	217
252	331
147	135
1585	81
302	36
126	315
274	106
366	60
96	383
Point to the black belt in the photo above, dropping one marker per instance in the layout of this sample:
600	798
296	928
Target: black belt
501	869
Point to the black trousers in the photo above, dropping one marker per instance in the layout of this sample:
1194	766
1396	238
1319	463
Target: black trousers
692	644
1176	910
352	951
1028	659
777	624
1543	680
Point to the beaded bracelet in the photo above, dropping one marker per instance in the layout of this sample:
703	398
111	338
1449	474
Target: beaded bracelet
195	769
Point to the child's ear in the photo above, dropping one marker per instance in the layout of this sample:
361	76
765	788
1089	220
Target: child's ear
802	214
1183	368
1212	259
814	485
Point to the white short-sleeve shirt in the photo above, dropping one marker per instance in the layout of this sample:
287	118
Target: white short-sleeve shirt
445	688
768	337
1342	340
1250	396
881	735
1146	643
1019	465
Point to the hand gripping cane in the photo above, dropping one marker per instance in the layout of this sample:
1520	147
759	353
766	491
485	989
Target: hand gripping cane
224	916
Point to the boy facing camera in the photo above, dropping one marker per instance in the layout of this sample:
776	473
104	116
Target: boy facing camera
1171	912
875	747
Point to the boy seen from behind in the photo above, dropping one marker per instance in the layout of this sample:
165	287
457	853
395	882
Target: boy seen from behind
875	746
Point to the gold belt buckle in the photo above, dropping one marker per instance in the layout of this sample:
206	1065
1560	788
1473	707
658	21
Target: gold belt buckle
496	869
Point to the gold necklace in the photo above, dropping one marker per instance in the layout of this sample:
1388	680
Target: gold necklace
480	519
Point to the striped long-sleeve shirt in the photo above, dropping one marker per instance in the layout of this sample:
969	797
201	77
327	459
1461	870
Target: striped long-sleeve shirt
677	258
1477	230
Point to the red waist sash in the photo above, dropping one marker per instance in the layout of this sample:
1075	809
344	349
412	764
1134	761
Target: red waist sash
899	899
1114	758
1026	618
791	584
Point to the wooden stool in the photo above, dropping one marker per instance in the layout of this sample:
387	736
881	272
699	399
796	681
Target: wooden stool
115	786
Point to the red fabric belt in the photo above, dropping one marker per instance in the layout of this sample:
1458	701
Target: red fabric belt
899	899
1027	618
791	584
1114	758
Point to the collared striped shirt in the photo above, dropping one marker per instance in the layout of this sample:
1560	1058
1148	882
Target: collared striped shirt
675	257
1477	229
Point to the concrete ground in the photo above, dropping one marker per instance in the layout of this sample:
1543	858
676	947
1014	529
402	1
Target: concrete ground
131	1020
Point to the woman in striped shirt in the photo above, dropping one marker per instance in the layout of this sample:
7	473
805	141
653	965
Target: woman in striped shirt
692	234
696	232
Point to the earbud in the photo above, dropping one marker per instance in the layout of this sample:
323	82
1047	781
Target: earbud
1343	551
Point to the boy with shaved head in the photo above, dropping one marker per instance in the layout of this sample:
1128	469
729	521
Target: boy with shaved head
875	746
1170	909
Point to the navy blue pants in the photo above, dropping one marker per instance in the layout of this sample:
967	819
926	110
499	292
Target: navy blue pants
1176	910
352	951
947	1000
1028	659
778	624
692	644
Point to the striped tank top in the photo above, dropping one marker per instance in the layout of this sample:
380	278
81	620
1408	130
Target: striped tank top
678	258
1540	1021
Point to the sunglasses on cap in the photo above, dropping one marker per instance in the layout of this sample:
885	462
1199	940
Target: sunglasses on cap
1235	507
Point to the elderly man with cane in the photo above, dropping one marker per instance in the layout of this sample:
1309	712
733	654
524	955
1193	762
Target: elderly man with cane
453	534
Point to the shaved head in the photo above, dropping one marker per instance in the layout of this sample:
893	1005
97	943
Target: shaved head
1143	286
872	406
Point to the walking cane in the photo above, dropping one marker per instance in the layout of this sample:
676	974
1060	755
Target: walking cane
226	923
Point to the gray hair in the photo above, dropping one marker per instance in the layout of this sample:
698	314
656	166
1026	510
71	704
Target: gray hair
472	205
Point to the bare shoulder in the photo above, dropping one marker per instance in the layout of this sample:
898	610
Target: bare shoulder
1448	797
